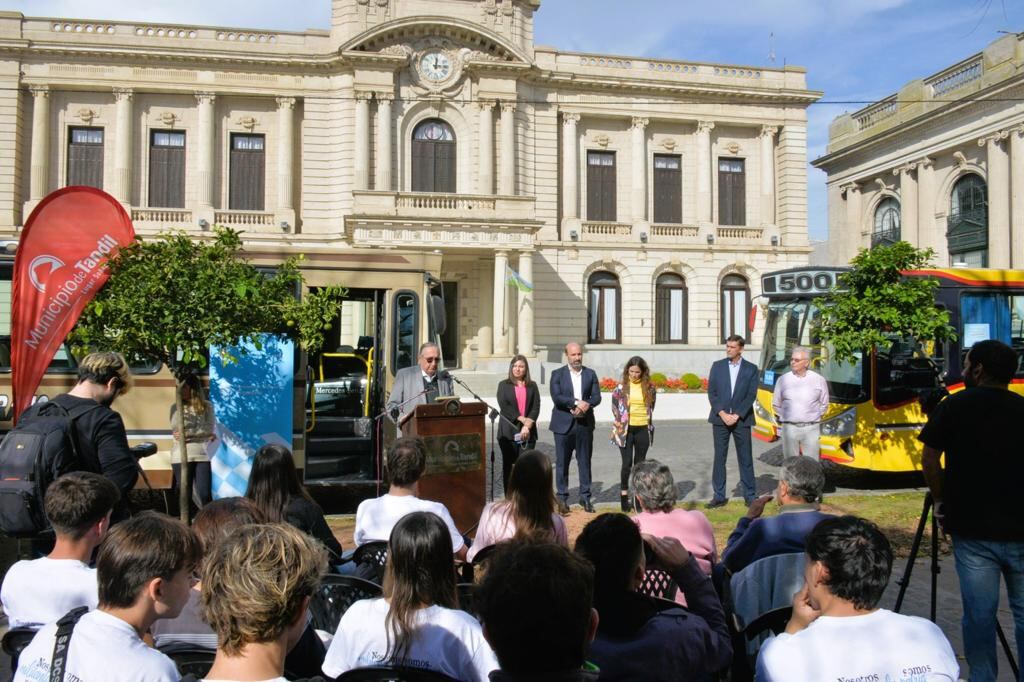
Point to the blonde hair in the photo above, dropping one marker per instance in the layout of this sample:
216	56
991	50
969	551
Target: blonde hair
101	367
255	581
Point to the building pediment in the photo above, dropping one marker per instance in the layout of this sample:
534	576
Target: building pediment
470	42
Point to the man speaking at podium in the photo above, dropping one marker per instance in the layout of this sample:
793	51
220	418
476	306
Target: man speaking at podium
419	385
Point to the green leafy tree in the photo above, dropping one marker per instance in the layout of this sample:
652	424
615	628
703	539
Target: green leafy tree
873	303
170	299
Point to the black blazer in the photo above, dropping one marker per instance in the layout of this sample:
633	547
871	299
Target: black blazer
509	408
740	401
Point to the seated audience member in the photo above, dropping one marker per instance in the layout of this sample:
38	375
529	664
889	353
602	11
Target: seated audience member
275	487
37	592
801	482
536	607
528	510
416	623
640	637
144	570
837	632
259	582
654	490
406	462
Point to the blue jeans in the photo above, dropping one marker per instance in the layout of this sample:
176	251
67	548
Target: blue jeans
979	564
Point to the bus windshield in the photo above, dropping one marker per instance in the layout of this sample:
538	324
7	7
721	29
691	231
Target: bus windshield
792	323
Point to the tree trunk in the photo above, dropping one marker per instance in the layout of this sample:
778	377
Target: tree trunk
184	484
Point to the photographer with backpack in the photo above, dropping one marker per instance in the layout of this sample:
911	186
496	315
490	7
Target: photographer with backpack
75	431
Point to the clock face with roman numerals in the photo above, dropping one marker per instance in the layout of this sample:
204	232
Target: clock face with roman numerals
435	66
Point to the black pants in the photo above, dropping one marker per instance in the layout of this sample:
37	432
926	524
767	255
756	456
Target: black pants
638	440
199	476
509	454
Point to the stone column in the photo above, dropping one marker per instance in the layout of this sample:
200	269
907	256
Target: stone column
926	235
285	153
908	203
998	200
507	183
485	178
204	152
768	174
500	337
704	164
382	176
485	336
525	306
570	166
39	175
123	145
361	140
638	197
852	239
1017	197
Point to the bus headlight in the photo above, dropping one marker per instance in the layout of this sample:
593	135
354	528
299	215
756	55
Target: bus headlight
762	413
843	424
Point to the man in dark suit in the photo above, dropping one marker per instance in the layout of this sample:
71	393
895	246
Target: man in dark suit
575	392
732	387
422	382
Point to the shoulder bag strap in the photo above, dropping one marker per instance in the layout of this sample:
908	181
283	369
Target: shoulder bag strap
62	642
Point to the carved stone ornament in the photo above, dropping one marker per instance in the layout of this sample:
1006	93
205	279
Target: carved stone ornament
248	122
733	148
669	143
961	160
466	55
437	66
602	140
86	115
399	50
168	118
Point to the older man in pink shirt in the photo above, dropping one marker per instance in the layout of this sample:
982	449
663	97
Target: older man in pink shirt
800	400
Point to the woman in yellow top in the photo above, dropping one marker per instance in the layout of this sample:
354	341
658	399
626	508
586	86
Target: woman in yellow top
632	425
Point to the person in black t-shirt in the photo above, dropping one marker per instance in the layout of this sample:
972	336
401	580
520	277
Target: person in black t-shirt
100	437
977	495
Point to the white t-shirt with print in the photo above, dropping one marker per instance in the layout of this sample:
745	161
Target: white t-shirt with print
376	517
446	641
103	648
881	645
41	591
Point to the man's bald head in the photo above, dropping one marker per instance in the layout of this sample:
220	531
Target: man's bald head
574	354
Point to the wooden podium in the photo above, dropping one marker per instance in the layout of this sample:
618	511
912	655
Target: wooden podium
454	435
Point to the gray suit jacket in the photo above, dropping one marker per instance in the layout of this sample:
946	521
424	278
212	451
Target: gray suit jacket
409	382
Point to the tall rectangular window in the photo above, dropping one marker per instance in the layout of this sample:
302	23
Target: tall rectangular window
601	186
167	169
248	172
85	157
732	192
668	188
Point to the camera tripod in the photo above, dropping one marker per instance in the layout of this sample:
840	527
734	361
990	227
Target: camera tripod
904	580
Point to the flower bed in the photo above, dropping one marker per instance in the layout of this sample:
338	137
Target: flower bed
687	383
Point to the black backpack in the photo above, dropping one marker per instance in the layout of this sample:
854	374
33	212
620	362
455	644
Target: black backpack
40	448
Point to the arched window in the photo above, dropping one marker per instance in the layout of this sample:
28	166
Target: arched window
670	309
604	316
433	157
967	225
735	307
887	222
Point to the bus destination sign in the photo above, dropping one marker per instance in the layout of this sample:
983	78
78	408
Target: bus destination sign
800	281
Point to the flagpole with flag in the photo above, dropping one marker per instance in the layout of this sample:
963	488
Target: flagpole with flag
515	279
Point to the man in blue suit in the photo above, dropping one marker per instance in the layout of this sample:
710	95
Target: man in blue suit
575	392
732	387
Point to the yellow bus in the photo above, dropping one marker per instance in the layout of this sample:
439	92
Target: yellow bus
394	302
874	414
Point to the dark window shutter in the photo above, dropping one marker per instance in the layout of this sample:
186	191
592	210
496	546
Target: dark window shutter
433	157
167	169
444	166
85	157
248	173
668	188
732	189
601	203
422	166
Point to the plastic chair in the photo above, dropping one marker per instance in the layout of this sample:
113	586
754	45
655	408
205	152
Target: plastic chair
334	597
370	559
393	673
189	659
658	583
14	642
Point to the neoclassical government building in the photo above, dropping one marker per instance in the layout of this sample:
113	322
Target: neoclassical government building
642	198
939	164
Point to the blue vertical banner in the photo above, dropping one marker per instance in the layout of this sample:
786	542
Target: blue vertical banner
252	400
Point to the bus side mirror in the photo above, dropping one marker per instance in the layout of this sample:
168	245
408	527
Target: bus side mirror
440	316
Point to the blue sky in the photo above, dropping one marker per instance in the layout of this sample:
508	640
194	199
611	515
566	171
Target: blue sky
854	50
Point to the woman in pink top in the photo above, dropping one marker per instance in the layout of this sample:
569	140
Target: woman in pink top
528	510
519	405
654	490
